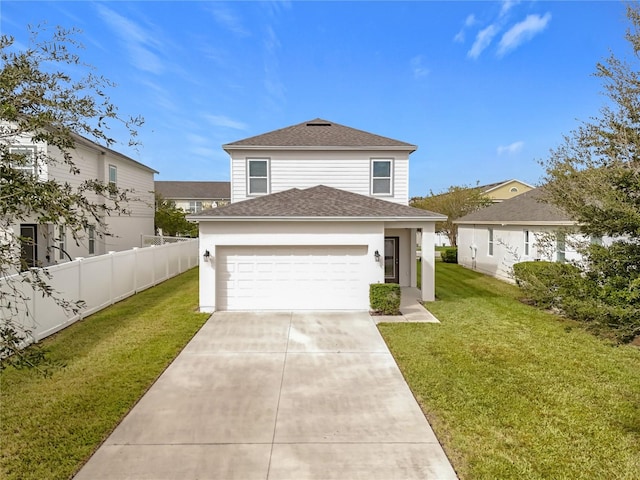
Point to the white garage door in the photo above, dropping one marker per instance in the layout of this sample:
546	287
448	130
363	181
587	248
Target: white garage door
292	278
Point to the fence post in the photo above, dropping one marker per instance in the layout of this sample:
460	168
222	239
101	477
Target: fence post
111	277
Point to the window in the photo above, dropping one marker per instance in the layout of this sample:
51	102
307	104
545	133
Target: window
526	242
92	240
491	242
561	248
113	175
195	206
381	178
258	176
513	189
27	161
596	240
62	242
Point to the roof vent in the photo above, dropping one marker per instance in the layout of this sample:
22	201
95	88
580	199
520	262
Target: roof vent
318	124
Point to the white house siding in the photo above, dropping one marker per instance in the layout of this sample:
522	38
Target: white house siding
346	170
215	237
508	248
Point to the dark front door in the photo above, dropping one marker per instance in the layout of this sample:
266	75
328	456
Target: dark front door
391	259
28	238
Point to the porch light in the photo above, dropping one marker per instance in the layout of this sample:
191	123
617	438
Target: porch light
206	255
377	255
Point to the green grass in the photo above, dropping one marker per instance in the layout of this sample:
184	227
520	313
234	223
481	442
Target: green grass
516	393
50	426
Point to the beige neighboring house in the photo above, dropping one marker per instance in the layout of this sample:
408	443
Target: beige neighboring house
52	244
501	191
494	238
194	197
319	211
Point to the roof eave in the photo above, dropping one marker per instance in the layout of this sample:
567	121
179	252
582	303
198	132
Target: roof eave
402	148
218	218
517	222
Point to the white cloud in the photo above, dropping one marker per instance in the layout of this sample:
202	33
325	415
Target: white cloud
227	19
483	40
136	40
470	21
515	147
223	121
418	67
522	32
507	5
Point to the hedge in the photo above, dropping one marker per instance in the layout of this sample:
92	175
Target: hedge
385	298
450	255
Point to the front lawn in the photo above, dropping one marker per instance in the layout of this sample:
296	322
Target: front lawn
105	363
516	393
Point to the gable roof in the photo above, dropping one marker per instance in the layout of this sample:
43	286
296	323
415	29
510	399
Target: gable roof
493	186
315	203
319	133
193	190
524	209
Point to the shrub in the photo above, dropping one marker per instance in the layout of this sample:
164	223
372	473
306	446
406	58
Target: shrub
450	255
385	298
547	283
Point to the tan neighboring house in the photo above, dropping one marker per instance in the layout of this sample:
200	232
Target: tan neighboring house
319	211
501	191
52	244
493	239
194	197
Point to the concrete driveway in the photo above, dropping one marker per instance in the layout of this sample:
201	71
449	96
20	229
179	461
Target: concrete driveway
276	396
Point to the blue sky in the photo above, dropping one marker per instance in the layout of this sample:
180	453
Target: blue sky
485	89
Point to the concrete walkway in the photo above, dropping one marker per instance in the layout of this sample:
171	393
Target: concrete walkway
276	396
410	308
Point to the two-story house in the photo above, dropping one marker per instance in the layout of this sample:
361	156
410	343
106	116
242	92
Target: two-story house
50	244
318	212
194	197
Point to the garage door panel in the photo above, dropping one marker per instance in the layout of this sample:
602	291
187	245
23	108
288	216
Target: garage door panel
291	278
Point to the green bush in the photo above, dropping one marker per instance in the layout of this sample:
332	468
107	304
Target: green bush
450	255
385	298
547	283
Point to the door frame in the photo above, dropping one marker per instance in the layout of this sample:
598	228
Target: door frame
395	259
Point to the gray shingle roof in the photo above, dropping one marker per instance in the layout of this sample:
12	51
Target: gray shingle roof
194	190
526	208
319	133
317	202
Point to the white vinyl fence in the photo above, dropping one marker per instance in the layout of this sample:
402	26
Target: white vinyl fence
99	281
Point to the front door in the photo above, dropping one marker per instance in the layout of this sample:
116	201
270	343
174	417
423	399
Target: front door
28	238
391	259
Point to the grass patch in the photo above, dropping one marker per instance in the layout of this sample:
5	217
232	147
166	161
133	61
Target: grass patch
105	363
513	392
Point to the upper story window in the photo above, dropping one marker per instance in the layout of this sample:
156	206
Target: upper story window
381	177
258	178
195	206
113	175
25	159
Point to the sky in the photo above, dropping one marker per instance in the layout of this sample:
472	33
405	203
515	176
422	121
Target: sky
485	89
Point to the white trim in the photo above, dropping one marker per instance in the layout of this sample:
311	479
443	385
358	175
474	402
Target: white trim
195	218
408	148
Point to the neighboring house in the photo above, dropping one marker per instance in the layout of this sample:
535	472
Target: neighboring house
497	192
194	197
492	239
319	211
501	191
52	243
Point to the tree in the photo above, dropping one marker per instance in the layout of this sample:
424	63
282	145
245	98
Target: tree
172	220
455	202
595	177
43	103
